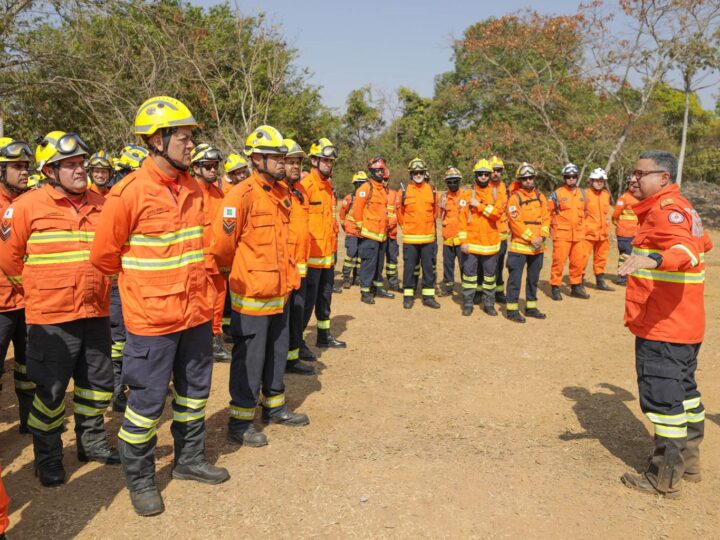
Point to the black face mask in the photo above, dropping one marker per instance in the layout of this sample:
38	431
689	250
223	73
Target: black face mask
482	181
377	175
453	185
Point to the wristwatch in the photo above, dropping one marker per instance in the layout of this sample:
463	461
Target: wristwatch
657	258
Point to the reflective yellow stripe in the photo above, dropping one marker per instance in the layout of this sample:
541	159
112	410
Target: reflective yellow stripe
79	408
242	413
168	263
136	438
373	236
511	306
479	249
302	269
419	238
428	292
95	395
60	257
42	426
646	252
259	305
692	403
50	413
531	304
504	235
670	277
668	419
274	401
462	235
693	258
488	210
293	354
527	234
188	416
670	432
24	385
696	417
190	402
323	325
167	239
140	420
60	236
20	368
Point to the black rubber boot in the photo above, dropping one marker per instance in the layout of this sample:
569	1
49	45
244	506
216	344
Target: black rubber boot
248	437
382	293
102	452
489	304
201	471
621	280
306	354
408	302
600	283
477	300
515	316
147	502
500	297
430	302
367	298
578	291
285	417
555	293
325	340
51	473
297	367
535	313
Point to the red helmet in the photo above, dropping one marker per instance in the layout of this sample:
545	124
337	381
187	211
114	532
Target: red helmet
378	162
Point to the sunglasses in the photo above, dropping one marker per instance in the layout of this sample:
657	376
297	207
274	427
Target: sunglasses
570	176
482	175
208	166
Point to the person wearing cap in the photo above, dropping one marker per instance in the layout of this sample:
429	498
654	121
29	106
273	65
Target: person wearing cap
251	239
597	226
236	170
568	206
151	234
15	159
48	236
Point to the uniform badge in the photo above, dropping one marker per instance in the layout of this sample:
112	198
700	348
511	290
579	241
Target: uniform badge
675	217
361	194
8	213
665	202
513	212
229	212
621	203
229	219
5	230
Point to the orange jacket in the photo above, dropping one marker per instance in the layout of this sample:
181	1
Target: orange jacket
251	237
624	218
513	187
322	221
666	304
528	218
567	213
503	227
393	201
4	507
299	233
151	233
417	212
346	216
212	202
47	249
96	189
450	205
11	294
597	224
479	224
370	210
226	185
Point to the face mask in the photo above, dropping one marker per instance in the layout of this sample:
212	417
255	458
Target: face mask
453	185
482	181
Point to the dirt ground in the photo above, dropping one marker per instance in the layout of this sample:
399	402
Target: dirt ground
428	425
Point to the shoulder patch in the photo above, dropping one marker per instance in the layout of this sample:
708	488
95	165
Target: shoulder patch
675	217
665	202
620	203
462	202
229	212
513	209
8	213
362	194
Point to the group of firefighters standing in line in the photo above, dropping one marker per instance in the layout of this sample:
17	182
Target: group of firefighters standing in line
481	225
174	249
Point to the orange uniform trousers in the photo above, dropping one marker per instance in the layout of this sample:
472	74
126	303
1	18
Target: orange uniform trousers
599	250
562	250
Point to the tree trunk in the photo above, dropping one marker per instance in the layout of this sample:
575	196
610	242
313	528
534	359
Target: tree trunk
686	121
618	145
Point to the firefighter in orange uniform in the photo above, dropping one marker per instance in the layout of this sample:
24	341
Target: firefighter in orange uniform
664	309
100	170
417	213
370	213
597	236
352	232
529	222
451	203
568	205
392	250
299	242
626	223
151	234
496	180
236	170
205	161
48	237
15	158
323	244
251	238
480	238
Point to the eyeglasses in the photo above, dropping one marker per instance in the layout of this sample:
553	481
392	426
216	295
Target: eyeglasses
15	150
570	176
210	165
638	174
499	171
482	175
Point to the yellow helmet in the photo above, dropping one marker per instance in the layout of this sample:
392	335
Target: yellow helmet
265	140
14	150
205	152
131	157
323	148
452	172
360	176
525	170
234	162
417	164
161	112
294	149
100	160
482	165
58	145
35	181
496	163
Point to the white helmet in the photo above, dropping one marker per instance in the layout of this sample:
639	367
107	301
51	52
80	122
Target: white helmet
598	174
570	169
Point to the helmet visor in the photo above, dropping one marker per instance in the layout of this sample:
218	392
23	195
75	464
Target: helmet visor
329	152
69	143
212	155
15	150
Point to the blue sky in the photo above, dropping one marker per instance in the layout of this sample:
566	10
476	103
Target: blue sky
348	44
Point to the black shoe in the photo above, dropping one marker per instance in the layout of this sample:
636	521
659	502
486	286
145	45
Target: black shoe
382	293
444	289
467	310
578	291
477	299
307	354
226	337
337	290
147	502
535	313
346	284
201	472
102	452
514	316
299	368
395	288
408	302
600	283
500	297
285	417
220	354
119	402
555	293
325	340
430	302
621	280
489	306
51	474
367	298
248	437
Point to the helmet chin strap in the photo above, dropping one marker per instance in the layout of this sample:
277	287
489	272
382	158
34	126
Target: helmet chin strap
12	189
